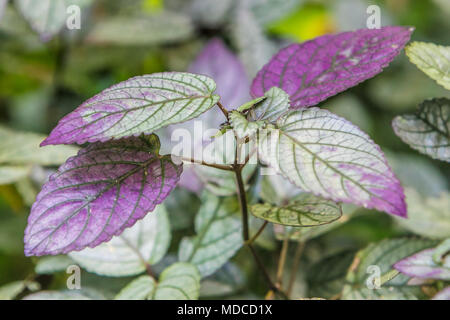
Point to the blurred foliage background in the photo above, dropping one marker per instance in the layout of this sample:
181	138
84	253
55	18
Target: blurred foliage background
46	71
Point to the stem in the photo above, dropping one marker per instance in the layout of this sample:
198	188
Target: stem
297	256
223	109
213	165
245	233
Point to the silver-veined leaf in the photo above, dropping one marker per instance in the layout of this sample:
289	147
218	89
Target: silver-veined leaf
219	234
180	281
421	265
17	147
427	131
305	210
276	103
83	294
326	155
47	17
144	243
432	59
222	150
381	257
10	174
140	288
165	26
138	105
52	264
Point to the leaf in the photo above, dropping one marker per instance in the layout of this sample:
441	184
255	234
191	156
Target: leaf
268	11
83	294
314	70
427	131
140	288
138	105
432	59
419	173
10	174
227	280
218	235
271	108
441	251
219	63
180	281
443	294
97	194
427	216
17	147
242	127
212	13
254	48
422	266
46	17
383	255
326	155
306	210
326	277
53	264
304	234
165	26
145	243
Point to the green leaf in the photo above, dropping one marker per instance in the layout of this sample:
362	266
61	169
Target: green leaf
270	109
18	147
83	294
242	127
427	216
427	131
222	150
305	234
180	281
260	111
441	251
326	277
53	264
11	290
146	242
141	288
218	234
10	174
250	104
305	210
383	255
152	29
328	156
47	17
432	59
227	280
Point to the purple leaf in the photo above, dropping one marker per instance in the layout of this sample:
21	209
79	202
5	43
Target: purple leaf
422	266
314	70
219	63
138	105
96	194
